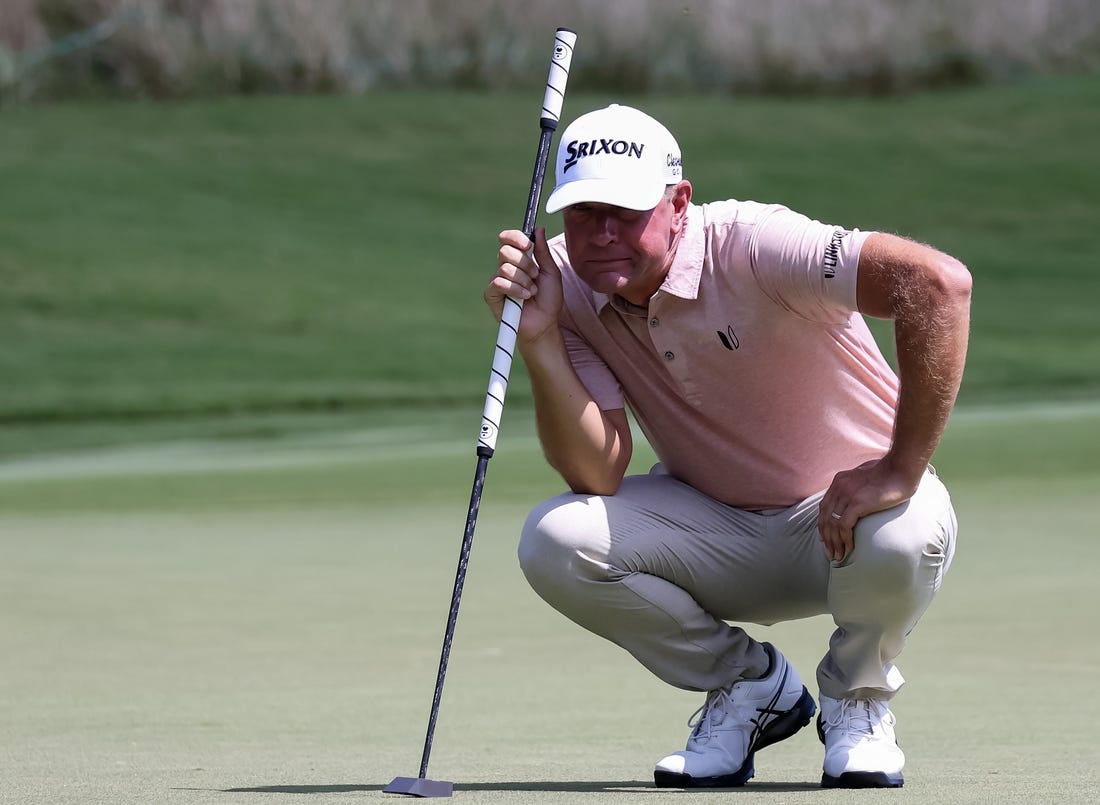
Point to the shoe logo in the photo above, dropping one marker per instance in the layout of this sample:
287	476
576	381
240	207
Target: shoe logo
769	712
729	338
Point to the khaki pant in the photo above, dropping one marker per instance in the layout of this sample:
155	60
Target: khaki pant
659	568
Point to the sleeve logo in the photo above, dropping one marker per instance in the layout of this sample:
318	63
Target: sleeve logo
832	252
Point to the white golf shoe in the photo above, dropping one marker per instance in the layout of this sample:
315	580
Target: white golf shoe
860	748
733	724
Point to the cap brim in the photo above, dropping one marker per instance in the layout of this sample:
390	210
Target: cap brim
604	191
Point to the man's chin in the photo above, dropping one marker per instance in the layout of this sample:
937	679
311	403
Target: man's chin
607	281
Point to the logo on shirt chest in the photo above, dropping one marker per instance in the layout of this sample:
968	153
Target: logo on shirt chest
729	338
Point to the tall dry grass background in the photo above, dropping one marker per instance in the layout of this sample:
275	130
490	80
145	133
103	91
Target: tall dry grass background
170	48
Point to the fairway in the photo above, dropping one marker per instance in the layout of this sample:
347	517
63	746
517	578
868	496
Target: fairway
328	254
258	621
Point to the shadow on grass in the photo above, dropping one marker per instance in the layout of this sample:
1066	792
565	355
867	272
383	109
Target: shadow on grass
576	786
623	787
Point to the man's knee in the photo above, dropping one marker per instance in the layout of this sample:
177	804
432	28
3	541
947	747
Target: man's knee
905	547
564	538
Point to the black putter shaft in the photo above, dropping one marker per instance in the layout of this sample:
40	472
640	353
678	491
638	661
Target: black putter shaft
564	41
456	596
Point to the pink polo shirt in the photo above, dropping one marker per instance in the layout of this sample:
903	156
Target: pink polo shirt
750	372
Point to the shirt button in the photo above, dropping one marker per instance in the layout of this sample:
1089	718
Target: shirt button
669	356
654	322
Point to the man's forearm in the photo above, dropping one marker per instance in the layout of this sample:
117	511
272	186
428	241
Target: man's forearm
588	447
931	351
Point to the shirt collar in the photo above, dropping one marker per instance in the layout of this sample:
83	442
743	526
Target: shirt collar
682	279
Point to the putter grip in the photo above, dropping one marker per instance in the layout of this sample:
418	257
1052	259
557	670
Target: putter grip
564	41
498	376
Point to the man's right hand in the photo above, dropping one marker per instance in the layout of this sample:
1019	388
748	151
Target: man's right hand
589	447
530	275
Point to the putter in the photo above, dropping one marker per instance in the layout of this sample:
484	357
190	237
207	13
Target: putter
564	41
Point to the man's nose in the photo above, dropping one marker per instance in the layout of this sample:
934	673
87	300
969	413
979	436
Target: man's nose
606	229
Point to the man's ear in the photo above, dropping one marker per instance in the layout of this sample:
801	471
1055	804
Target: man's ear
681	198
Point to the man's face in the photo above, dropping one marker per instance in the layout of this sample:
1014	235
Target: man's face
626	252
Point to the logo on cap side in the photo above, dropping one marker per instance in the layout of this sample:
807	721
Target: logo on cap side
578	150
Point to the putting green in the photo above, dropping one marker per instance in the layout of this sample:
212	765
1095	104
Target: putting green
260	622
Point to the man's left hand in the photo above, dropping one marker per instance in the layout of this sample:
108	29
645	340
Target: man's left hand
871	487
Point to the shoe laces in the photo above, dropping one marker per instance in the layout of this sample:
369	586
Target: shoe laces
708	717
860	715
715	710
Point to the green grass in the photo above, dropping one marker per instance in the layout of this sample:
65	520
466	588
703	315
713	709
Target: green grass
255	622
204	260
244	354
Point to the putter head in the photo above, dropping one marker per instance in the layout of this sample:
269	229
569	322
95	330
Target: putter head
419	787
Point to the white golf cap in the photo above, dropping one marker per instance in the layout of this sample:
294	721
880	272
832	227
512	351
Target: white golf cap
618	156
